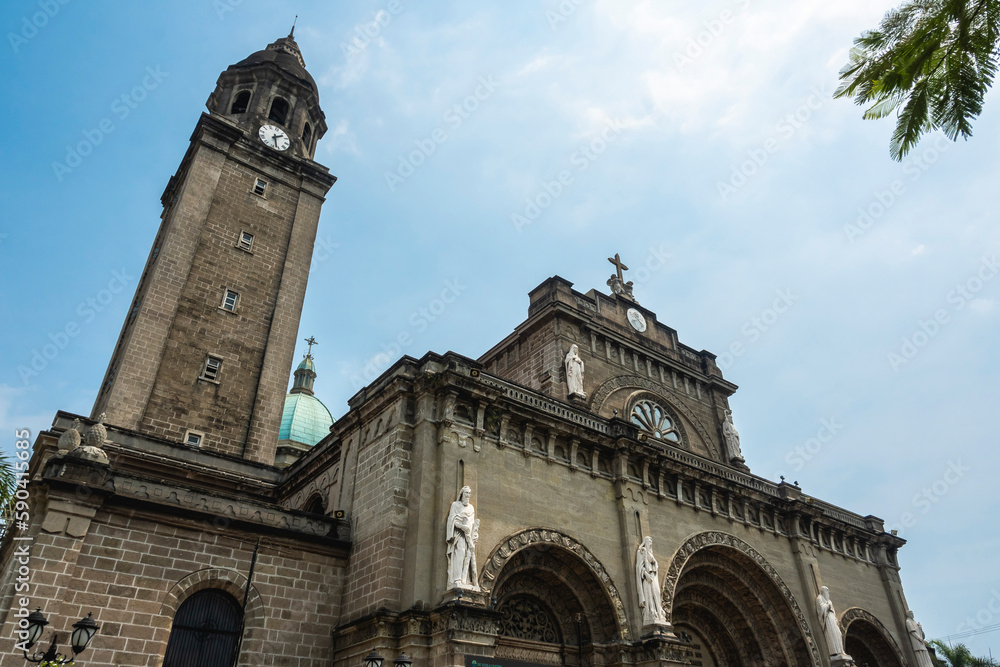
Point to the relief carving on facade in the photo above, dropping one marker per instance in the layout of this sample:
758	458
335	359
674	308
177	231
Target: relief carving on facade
524	618
526	538
525	654
714	538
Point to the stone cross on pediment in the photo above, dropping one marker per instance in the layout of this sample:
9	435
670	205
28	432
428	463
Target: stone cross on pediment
617	280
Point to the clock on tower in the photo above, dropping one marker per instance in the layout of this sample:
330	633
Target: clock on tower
206	350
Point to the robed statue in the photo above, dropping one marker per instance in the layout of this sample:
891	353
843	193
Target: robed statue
828	619
574	372
916	633
462	533
647	579
732	438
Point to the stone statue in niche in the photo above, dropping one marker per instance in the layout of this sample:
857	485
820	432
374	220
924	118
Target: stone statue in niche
831	629
462	533
647	579
574	372
916	633
732	438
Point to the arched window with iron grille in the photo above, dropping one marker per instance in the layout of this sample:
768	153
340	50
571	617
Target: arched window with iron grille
205	631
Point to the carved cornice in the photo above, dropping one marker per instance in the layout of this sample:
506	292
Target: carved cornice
714	538
537	401
228	509
509	546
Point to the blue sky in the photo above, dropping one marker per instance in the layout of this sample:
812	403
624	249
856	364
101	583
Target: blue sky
700	131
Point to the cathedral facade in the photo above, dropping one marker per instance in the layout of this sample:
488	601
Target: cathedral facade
577	495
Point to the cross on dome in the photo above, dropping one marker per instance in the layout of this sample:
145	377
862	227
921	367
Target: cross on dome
312	341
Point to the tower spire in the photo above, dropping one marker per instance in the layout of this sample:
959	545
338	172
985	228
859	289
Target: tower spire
291	33
305	374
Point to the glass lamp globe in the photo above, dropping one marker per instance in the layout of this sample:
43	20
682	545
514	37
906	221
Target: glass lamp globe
36	625
83	631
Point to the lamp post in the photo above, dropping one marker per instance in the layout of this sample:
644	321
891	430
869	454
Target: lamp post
83	631
374	659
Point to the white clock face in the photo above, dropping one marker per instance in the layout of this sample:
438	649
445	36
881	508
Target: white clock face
274	137
636	319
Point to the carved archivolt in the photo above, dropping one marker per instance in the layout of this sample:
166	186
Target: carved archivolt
638	382
541	536
714	538
856	613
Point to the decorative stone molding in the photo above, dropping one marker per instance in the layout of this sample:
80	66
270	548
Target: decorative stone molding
224	507
465	620
713	538
528	654
856	613
602	393
532	536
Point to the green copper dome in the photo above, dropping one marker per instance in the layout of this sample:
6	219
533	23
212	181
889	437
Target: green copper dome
305	419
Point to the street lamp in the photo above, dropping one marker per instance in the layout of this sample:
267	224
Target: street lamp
373	659
83	631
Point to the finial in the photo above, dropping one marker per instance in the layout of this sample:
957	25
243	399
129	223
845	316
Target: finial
291	34
312	341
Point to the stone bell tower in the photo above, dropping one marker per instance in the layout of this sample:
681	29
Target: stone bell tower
205	352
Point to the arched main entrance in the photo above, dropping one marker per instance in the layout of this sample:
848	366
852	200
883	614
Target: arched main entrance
555	600
722	592
867	640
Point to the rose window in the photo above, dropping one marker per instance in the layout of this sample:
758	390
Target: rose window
653	419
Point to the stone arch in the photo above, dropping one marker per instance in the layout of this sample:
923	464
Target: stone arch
866	635
718	566
636	382
316	503
555	557
229	581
